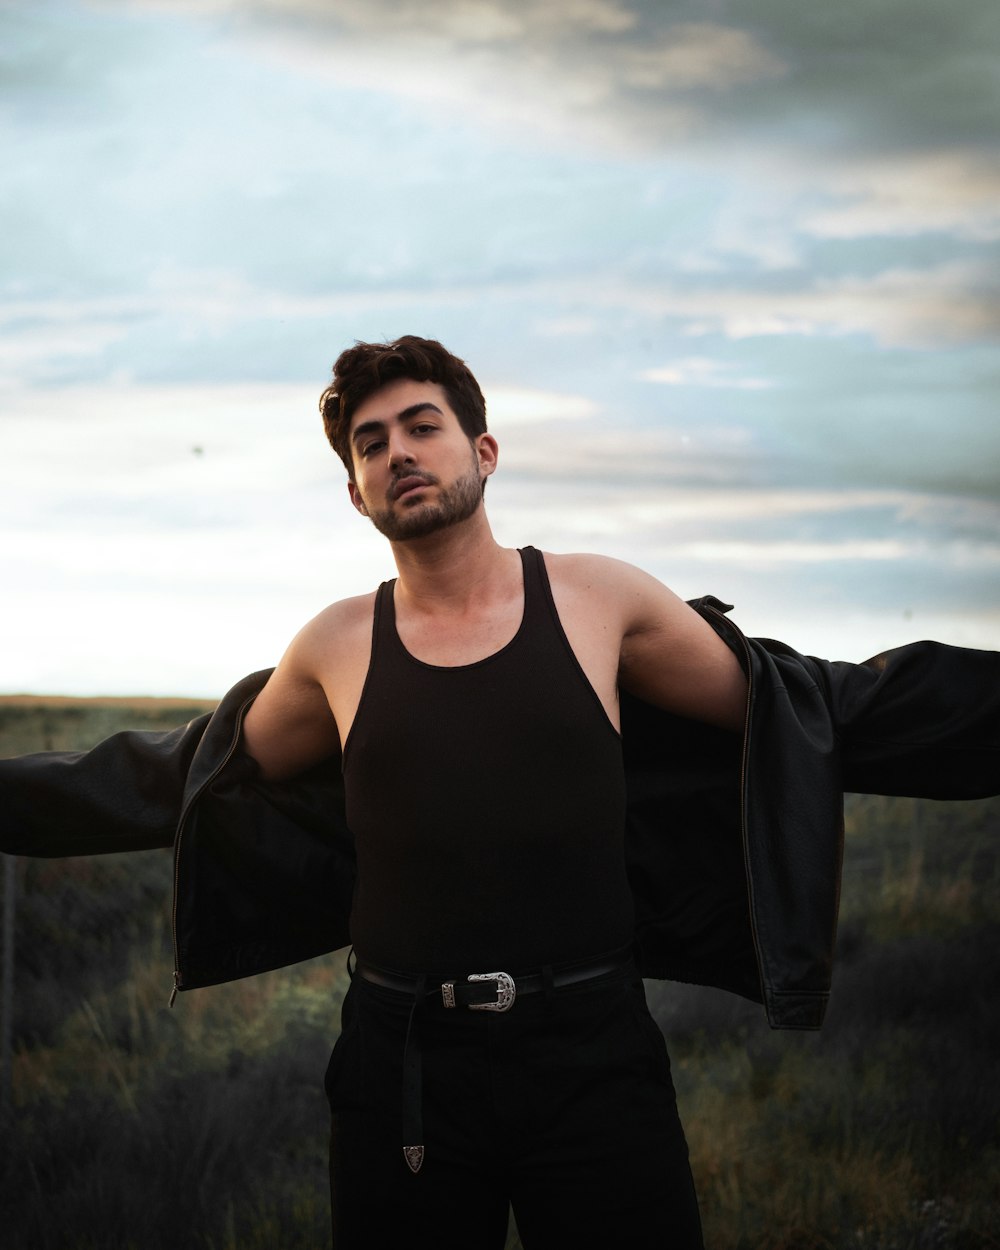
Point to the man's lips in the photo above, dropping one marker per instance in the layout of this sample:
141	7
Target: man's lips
406	484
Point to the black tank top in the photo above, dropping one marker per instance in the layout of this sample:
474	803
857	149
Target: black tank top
487	803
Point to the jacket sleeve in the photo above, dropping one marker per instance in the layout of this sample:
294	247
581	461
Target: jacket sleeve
921	720
123	794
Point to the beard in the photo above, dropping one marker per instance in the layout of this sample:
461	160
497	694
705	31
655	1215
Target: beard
454	504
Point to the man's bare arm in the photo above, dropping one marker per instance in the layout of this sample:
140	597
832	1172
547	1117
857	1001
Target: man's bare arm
673	658
628	630
290	725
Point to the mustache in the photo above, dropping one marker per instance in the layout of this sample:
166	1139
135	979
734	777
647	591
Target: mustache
407	480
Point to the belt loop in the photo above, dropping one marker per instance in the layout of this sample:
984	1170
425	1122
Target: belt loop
413	1119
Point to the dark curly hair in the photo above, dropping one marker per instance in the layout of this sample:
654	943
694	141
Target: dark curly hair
364	368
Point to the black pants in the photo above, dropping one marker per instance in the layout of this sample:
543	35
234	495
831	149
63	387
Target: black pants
562	1107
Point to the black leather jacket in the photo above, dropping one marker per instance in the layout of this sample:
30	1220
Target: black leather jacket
734	846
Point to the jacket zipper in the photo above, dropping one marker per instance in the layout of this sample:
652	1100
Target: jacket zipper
185	812
744	767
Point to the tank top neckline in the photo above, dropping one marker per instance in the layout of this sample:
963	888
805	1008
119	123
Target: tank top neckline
387	595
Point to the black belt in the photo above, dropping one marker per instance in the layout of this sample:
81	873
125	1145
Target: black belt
479	991
494	991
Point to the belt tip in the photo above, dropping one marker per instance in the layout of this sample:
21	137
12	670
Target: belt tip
414	1156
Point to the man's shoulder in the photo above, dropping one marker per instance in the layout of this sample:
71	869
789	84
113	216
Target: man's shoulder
587	571
582	563
339	623
616	591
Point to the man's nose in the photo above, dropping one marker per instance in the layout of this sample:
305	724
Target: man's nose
399	450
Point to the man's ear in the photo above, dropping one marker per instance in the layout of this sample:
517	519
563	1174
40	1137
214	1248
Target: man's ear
356	499
488	453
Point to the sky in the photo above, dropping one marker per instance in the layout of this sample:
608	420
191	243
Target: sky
726	271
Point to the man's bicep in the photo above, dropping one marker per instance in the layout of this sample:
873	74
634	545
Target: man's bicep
290	726
673	658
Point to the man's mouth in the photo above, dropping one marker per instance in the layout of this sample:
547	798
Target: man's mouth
406	484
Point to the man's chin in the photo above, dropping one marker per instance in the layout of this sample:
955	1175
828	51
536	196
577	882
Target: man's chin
406	522
420	521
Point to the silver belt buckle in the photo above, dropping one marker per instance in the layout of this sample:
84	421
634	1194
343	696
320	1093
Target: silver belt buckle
506	993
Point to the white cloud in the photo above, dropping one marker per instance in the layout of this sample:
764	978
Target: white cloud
33	348
698	55
703	371
463	20
562	72
941	304
515	406
953	191
567	327
949	304
128	442
768	554
945	303
187	443
179	571
639	503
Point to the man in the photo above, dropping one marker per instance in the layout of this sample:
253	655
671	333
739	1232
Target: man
485	788
435	773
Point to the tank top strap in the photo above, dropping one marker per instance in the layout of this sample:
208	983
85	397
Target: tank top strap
534	574
539	606
540	624
541	616
385	639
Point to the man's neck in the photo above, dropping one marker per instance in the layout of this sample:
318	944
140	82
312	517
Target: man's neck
454	569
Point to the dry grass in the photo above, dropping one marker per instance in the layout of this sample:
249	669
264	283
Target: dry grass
140	1128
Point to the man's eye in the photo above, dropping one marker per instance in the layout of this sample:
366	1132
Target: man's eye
371	447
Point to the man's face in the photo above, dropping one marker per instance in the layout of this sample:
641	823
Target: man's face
415	469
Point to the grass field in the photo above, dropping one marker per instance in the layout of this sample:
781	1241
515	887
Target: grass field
136	1127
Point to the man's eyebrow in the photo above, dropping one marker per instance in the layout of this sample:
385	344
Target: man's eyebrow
371	427
413	409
